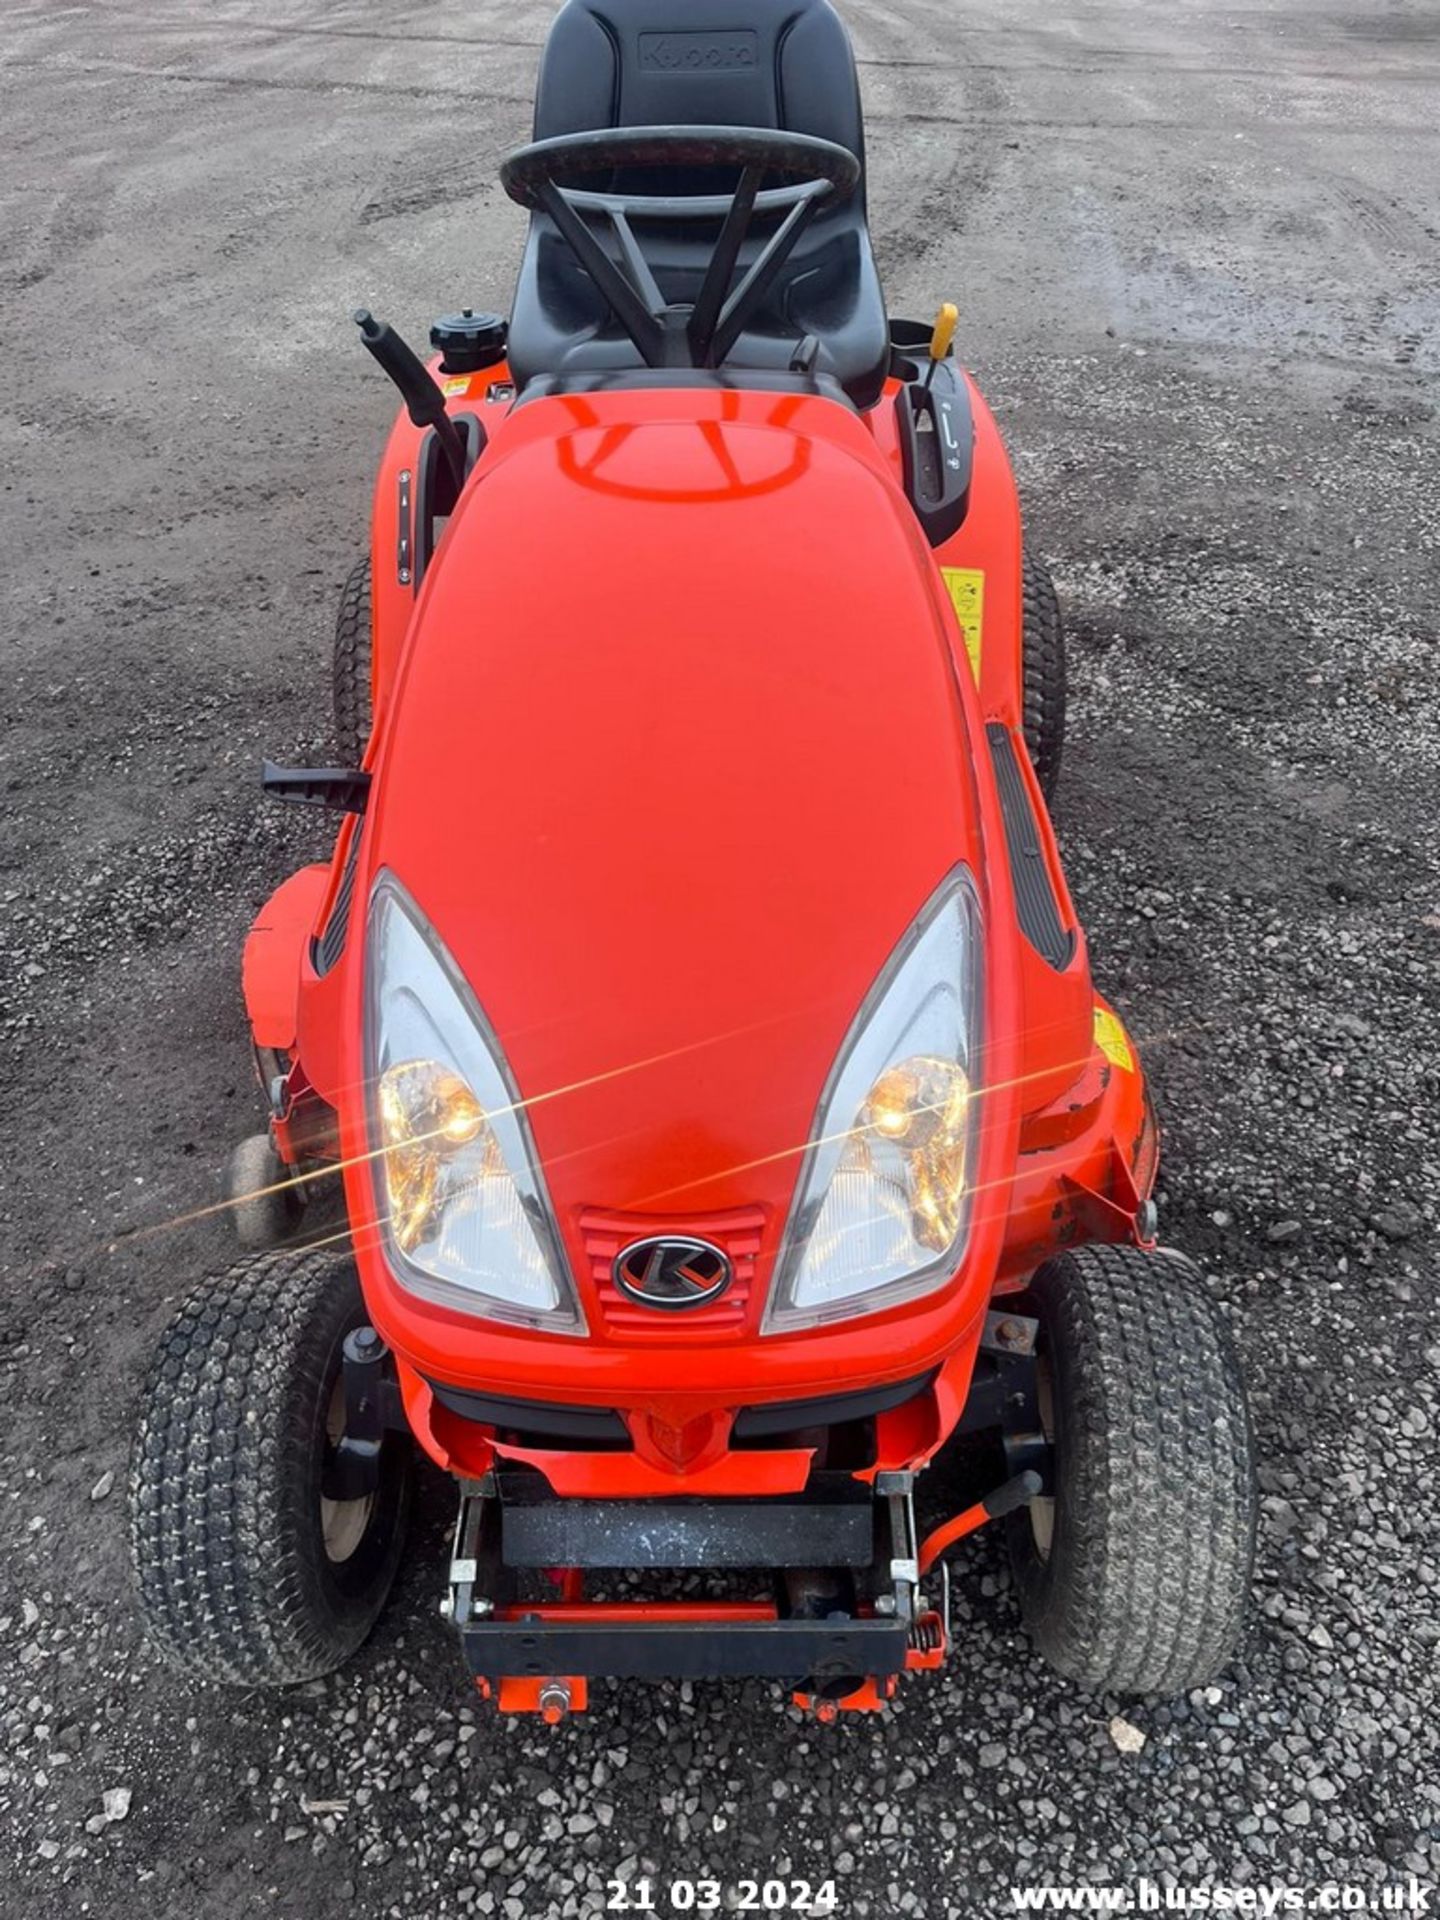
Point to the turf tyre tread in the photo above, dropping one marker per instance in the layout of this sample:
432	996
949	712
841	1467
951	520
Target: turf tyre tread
1148	1579
229	1562
351	666
1044	682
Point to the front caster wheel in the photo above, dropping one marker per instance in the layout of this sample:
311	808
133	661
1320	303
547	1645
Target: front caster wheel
247	1570
1135	1575
266	1202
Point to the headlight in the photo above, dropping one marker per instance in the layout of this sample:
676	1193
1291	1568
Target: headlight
882	1205
465	1216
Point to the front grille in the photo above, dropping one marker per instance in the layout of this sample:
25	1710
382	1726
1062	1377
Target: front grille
737	1233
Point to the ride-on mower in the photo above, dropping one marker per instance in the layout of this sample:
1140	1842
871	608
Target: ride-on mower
693	1006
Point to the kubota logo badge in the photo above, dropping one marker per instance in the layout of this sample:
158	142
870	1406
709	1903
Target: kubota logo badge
672	1273
699	52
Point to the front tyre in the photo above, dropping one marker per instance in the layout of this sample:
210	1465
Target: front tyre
246	1571
1135	1576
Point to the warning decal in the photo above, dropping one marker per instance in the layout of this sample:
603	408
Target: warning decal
1112	1040
966	587
453	389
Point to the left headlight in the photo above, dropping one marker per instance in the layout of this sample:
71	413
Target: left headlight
466	1220
882	1205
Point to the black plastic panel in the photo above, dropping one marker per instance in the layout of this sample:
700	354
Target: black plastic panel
435	495
937	450
535	1418
832	1526
331	944
790	1416
1035	904
794	1650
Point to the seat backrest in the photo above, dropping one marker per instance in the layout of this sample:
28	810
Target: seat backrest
727	63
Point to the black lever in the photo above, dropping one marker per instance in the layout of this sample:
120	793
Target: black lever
1015	1494
424	401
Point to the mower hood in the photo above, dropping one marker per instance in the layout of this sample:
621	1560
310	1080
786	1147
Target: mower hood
676	755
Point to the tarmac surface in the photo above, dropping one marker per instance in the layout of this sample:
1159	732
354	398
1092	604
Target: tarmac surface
1195	250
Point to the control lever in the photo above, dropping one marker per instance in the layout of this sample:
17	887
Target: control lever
423	399
1009	1498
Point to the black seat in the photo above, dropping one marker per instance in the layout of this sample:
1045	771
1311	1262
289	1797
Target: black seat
783	64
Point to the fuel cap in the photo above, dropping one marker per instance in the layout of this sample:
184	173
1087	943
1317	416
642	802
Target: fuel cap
468	341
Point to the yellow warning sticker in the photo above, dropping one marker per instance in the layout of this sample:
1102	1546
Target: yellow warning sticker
1112	1040
452	389
966	587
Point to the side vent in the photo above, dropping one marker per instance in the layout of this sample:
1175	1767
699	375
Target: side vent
331	943
1035	904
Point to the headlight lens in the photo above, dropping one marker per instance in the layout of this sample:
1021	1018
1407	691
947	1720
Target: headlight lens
466	1220
882	1206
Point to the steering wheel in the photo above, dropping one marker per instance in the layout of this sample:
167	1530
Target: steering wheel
666	334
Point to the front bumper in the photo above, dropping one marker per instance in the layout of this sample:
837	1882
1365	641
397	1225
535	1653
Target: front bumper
542	1423
757	1450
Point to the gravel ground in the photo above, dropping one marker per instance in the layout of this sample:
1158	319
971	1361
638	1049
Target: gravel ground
1195	251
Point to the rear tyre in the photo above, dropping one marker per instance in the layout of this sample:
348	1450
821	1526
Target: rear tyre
246	1572
1043	649
351	666
1135	1577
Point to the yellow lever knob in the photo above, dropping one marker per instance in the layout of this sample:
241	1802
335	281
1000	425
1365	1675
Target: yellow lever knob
945	323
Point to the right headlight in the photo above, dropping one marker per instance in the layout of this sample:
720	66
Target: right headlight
461	1200
882	1206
